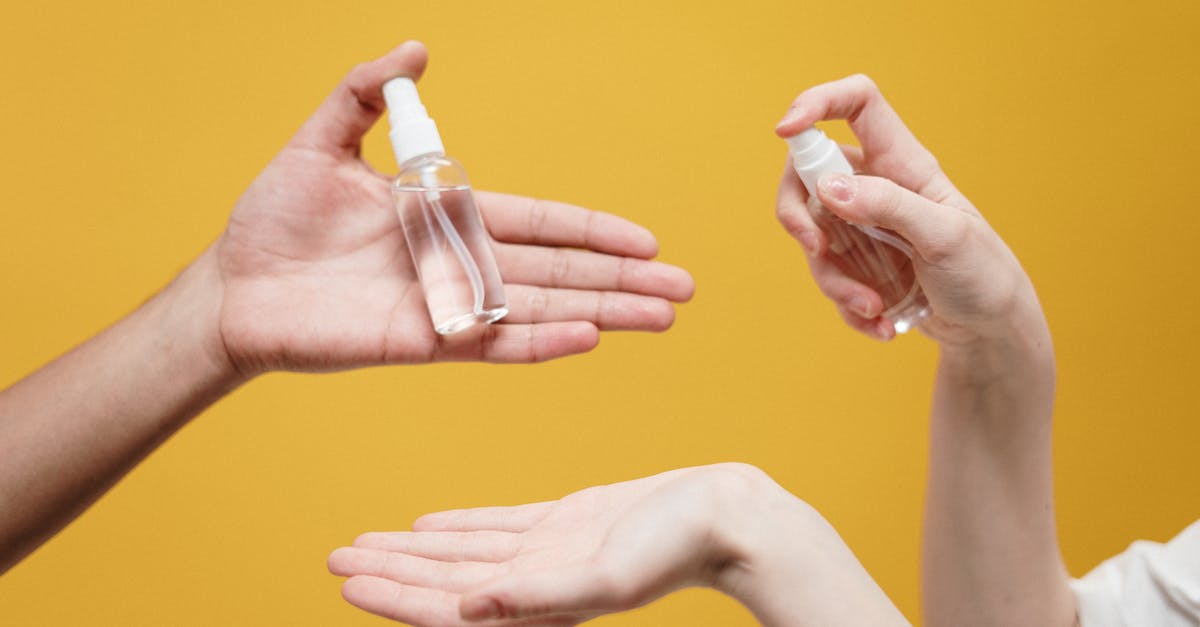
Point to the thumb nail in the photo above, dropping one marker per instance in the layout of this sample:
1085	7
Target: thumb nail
839	187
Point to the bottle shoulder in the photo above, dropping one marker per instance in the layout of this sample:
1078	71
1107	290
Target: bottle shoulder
432	170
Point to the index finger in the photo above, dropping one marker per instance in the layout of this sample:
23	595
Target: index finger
890	148
522	220
515	518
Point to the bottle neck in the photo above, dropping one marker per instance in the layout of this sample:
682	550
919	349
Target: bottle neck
415	138
432	154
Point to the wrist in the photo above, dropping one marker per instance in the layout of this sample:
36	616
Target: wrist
764	535
187	315
1020	348
786	564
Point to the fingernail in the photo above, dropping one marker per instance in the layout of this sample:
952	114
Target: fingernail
839	187
884	331
792	115
480	608
861	305
808	240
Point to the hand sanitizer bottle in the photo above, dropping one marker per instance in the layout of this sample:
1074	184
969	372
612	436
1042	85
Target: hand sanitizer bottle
877	258
450	247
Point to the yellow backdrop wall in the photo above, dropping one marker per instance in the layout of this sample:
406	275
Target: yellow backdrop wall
129	129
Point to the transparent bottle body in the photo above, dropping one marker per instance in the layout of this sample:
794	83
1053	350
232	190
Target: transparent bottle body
879	259
450	246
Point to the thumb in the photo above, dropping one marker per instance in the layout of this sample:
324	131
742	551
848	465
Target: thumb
934	230
339	123
540	593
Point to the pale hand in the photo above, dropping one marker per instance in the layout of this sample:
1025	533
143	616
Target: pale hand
976	288
613	548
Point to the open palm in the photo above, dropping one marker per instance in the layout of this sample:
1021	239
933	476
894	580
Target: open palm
317	276
600	550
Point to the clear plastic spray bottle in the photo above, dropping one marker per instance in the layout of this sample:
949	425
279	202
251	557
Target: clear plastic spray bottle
450	246
877	258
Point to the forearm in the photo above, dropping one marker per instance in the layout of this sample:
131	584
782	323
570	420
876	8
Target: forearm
70	430
990	549
792	569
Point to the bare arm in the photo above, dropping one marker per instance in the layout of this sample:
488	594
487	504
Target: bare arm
990	551
311	274
69	431
616	547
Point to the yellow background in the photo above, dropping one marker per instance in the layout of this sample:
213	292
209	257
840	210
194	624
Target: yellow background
128	129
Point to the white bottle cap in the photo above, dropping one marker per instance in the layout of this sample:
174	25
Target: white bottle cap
413	131
814	154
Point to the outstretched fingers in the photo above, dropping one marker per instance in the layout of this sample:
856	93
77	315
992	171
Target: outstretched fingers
485	545
609	311
411	570
521	220
515	518
582	269
516	343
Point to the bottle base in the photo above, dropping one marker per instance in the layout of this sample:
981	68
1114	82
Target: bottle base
909	320
466	321
909	312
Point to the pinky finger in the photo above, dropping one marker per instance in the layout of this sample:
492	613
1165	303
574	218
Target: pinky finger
610	311
846	293
407	604
877	328
519	343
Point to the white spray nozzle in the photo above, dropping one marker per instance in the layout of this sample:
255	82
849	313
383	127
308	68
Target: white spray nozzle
814	154
413	131
806	139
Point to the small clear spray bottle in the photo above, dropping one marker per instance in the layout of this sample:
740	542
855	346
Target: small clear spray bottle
450	246
877	258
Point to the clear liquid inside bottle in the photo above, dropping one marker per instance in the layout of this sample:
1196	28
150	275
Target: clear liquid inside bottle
880	266
450	246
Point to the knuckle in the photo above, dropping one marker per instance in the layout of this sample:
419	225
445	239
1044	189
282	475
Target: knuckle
589	226
881	199
359	69
865	87
791	219
357	76
560	268
954	236
742	469
624	270
737	476
601	307
538	215
539	305
534	355
863	82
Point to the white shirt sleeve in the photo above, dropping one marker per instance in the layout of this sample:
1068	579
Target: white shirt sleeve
1150	584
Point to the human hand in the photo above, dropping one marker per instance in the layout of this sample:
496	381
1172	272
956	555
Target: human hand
975	286
315	273
612	548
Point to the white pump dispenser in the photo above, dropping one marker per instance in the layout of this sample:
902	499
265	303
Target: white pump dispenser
413	133
877	258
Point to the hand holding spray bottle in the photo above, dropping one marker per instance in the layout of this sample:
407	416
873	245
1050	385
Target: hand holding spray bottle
877	258
450	247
